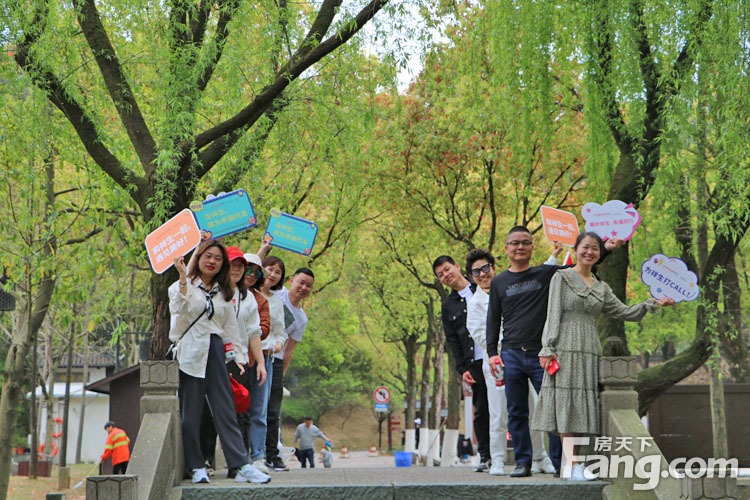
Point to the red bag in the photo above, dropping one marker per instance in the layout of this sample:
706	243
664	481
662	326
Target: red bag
241	396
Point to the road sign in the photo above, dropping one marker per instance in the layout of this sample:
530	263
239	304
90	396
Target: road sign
381	407
381	394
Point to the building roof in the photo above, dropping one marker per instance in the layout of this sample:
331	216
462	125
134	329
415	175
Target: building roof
58	391
103	385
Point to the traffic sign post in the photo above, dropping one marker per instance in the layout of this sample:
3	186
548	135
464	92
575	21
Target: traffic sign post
381	395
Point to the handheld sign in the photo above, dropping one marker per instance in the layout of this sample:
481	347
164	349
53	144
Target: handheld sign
225	214
559	225
290	233
614	219
174	238
669	277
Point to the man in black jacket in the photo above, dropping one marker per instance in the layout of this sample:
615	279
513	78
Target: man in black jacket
466	355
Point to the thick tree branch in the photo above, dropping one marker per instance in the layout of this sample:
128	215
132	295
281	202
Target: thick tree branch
224	135
116	82
83	125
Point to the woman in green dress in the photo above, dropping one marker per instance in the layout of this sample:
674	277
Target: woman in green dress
569	399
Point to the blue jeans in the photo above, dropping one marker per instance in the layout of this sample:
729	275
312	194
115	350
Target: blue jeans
258	410
520	368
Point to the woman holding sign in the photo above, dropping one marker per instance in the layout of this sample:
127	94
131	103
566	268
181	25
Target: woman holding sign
569	399
204	326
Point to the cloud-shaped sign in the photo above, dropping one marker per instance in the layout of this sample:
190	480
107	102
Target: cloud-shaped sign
614	219
669	277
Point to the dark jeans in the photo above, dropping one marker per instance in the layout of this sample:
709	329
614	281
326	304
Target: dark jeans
273	417
307	454
481	410
520	368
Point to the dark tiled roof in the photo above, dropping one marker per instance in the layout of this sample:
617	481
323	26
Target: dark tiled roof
96	360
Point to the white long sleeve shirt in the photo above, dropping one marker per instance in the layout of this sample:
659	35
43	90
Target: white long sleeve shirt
193	344
277	332
248	322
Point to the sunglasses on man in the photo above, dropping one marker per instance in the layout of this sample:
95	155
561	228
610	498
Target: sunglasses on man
484	269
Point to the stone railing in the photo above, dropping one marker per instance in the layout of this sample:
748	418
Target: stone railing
157	462
619	404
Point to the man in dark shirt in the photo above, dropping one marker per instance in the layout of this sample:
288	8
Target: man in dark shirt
518	303
467	355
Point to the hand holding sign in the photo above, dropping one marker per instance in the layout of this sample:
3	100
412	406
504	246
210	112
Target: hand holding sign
174	238
669	278
559	226
290	233
614	219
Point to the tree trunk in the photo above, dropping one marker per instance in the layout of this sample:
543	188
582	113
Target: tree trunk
66	409
733	345
79	441
15	371
718	411
160	312
410	346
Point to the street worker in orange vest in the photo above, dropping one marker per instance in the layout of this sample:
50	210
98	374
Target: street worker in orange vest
118	446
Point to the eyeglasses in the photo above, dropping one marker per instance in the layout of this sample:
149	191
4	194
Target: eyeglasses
484	269
516	243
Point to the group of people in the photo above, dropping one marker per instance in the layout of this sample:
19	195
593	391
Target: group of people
232	317
506	332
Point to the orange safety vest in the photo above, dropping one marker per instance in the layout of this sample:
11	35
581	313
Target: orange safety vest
118	446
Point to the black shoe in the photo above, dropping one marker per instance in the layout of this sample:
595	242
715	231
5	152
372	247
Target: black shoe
557	473
279	465
521	470
232	473
483	466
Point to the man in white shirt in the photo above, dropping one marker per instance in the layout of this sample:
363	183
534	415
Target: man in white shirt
300	286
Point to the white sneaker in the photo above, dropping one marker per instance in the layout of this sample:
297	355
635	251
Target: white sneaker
579	473
260	464
542	466
200	475
250	474
497	469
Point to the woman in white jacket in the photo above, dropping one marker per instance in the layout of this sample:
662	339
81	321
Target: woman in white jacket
205	328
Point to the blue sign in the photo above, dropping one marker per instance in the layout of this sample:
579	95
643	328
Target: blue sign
225	214
290	232
381	407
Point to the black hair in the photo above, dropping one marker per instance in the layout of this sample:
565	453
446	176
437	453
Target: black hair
442	260
109	424
519	229
589	234
304	270
222	277
272	260
478	254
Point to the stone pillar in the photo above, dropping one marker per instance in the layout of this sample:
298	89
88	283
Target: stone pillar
715	487
617	376
123	487
160	381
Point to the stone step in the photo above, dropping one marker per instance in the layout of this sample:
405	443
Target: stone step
409	483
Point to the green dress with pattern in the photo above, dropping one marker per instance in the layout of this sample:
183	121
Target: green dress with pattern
569	399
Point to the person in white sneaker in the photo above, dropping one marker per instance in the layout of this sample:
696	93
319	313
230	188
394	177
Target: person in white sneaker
481	265
204	327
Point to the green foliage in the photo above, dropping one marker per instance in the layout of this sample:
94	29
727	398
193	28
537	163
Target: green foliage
331	368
